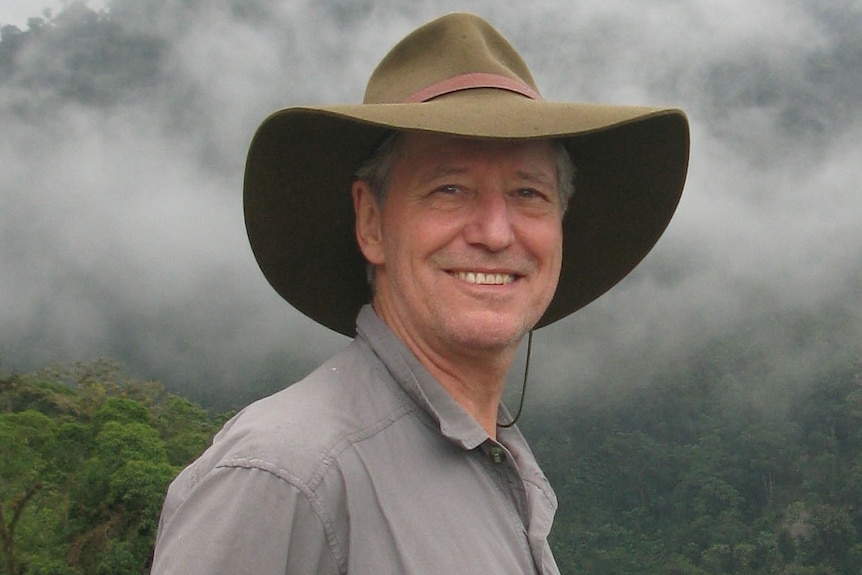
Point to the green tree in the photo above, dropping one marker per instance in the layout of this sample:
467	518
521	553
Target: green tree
23	440
121	487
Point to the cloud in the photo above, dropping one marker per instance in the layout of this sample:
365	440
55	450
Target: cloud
124	139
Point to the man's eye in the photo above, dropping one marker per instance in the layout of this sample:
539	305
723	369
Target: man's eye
528	193
448	189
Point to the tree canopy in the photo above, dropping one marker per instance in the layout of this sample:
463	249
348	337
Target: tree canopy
87	454
674	478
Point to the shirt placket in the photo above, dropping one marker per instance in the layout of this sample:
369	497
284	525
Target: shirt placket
501	467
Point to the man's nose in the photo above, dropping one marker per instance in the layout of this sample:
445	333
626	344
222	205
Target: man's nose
490	225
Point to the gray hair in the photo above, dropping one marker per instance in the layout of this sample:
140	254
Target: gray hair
377	169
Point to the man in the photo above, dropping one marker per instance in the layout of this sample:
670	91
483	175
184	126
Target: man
396	456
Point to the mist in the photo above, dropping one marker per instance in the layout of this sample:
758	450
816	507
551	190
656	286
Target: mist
124	132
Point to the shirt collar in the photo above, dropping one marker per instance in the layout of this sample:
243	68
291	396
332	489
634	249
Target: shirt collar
453	421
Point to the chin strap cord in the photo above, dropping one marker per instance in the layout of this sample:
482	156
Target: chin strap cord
524	385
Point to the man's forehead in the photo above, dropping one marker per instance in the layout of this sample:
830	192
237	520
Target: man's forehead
432	140
446	155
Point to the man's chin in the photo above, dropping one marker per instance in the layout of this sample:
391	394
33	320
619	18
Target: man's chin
489	332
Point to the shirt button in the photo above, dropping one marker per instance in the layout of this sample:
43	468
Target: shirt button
497	454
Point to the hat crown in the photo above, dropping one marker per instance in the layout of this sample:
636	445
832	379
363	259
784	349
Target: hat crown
451	46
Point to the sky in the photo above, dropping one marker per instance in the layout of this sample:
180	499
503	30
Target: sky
121	217
17	12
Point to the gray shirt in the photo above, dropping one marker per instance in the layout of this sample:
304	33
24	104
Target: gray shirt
367	466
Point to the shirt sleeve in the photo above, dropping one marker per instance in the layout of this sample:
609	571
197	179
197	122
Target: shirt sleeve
242	520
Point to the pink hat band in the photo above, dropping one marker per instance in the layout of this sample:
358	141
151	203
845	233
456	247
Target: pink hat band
469	82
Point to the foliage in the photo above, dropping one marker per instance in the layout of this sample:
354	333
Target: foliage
682	477
678	477
87	454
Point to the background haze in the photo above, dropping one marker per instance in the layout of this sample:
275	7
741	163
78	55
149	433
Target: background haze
125	127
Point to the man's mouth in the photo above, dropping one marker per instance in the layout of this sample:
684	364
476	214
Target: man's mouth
482	278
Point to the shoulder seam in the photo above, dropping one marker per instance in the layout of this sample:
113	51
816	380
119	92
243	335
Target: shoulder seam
335	545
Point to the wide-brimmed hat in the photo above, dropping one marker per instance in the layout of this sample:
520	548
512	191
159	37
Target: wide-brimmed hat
456	75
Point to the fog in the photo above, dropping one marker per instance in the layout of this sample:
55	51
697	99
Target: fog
124	135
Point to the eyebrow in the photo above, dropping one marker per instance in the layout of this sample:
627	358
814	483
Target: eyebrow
536	177
441	172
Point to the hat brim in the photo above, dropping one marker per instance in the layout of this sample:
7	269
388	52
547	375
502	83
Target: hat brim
631	166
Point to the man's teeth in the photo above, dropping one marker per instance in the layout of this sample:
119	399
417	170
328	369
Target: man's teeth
486	279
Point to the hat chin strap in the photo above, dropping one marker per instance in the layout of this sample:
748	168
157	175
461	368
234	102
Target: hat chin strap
470	81
523	386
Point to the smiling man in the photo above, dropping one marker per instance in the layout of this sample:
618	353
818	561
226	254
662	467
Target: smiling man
467	251
463	235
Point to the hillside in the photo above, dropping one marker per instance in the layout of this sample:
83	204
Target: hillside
679	478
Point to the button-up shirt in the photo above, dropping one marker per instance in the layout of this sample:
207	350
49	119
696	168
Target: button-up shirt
367	466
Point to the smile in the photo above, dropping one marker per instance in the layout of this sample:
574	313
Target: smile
485	278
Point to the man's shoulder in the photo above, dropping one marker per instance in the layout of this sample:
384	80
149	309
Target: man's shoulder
298	431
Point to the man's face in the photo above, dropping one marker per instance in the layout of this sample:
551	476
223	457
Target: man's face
468	244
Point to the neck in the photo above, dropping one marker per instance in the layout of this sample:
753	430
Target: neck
475	378
474	375
475	386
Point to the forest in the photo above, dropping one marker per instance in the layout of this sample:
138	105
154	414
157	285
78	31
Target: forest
678	478
87	454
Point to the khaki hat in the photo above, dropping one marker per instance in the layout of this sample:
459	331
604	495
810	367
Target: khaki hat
456	75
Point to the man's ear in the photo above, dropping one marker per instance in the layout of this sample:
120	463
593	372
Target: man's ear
368	222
